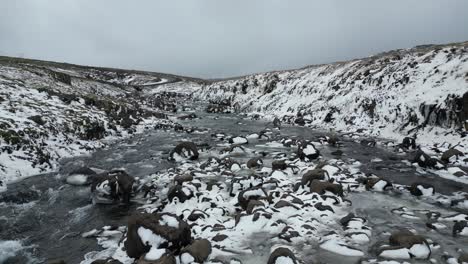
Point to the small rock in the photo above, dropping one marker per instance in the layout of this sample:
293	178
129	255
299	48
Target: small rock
315	174
159	230
421	189
307	150
408	143
254	163
460	228
321	187
282	255
451	154
184	150
114	185
197	252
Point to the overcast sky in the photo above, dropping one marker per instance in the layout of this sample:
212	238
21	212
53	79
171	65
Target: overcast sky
217	38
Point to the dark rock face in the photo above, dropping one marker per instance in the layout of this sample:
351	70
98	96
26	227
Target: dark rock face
187	150
451	153
200	249
321	187
38	120
409	143
223	106
174	232
115	185
451	113
281	252
93	131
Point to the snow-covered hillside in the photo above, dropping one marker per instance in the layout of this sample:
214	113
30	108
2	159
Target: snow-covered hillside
421	91
49	111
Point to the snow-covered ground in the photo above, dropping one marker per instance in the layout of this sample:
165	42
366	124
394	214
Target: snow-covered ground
49	111
420	91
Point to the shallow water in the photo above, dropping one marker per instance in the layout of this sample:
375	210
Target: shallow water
50	227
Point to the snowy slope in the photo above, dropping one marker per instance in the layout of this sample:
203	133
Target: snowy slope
420	91
49	111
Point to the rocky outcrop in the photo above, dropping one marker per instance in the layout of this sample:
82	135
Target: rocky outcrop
115	185
403	92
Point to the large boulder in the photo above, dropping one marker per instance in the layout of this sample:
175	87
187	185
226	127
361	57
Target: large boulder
184	150
112	186
153	232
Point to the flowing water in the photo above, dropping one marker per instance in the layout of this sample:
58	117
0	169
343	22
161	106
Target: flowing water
52	216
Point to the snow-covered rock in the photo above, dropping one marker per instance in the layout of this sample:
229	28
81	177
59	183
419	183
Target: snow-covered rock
421	91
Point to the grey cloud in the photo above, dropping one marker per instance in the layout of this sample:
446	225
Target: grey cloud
216	38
